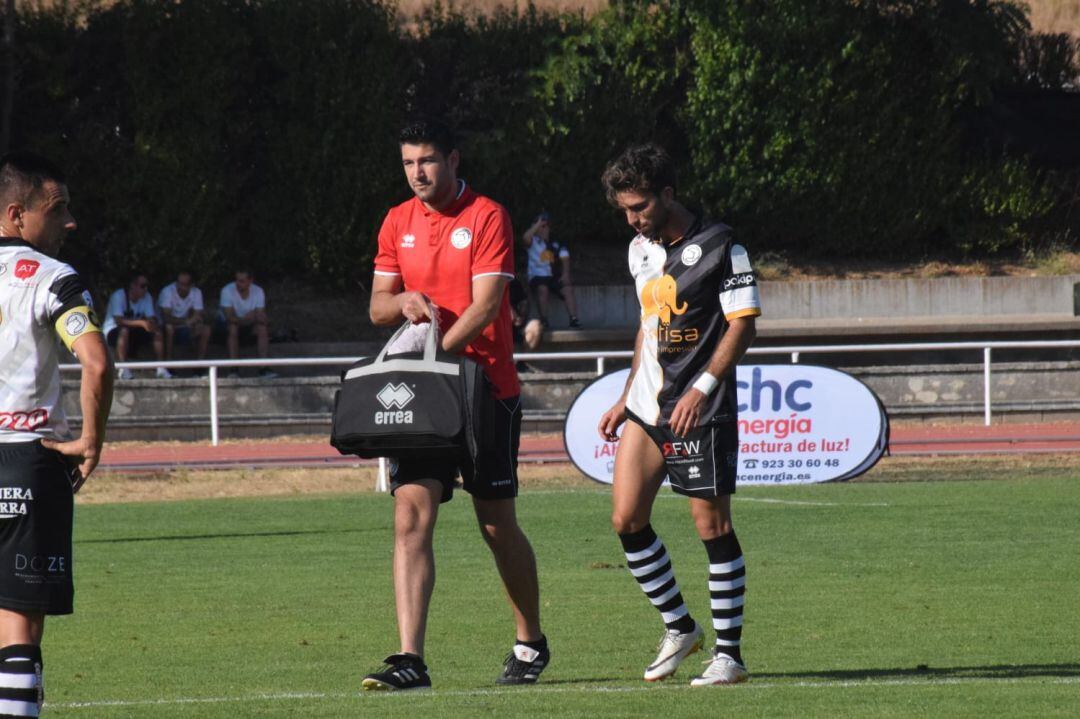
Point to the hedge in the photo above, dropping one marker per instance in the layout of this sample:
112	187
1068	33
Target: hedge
211	134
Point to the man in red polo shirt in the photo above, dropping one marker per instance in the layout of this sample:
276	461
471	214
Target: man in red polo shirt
455	248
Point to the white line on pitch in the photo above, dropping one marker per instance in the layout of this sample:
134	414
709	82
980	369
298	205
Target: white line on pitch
796	502
549	689
671	495
808	503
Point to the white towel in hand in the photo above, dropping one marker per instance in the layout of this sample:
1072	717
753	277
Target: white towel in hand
413	338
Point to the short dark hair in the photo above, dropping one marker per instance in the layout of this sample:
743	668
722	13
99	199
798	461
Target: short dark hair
22	174
428	131
640	168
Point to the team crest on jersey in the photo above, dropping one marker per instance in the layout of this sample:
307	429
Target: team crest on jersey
691	255
408	241
461	238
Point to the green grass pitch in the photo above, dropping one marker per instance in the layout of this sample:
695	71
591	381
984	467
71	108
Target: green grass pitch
904	599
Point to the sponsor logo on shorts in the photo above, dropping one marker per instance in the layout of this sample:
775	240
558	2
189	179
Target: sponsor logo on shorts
461	238
694	472
24	421
681	449
13	501
25	269
691	255
42	563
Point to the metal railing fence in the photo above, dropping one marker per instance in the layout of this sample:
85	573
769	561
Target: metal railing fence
214	367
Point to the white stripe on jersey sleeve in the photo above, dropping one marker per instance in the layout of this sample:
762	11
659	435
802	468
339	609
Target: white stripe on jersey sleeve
740	260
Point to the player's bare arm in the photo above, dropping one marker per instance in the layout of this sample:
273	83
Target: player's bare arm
729	351
616	416
487	295
144	323
389	305
95	398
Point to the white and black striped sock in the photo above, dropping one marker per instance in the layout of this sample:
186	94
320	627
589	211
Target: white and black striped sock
21	690
727	585
648	561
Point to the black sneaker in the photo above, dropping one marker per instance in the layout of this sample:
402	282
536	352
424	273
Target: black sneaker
400	672
575	323
523	665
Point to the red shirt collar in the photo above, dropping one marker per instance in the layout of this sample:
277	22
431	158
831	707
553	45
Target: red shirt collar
464	196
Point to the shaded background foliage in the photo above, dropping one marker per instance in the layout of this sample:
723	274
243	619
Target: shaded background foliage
212	134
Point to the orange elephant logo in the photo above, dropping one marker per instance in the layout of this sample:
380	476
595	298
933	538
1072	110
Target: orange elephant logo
658	298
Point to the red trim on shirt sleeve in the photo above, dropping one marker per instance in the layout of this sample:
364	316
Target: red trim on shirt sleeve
494	245
386	258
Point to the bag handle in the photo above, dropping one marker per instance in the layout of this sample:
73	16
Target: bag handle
430	341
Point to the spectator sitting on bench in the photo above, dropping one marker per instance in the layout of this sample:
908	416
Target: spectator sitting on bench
242	315
545	257
130	322
181	308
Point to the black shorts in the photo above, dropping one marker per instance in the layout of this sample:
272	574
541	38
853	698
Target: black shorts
35	529
494	478
552	283
137	337
702	464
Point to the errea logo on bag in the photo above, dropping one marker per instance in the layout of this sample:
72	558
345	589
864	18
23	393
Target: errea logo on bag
391	396
395	395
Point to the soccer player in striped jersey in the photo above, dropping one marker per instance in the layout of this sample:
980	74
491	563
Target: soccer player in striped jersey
41	464
699	302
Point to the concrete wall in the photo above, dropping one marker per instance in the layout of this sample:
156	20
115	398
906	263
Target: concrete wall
617	305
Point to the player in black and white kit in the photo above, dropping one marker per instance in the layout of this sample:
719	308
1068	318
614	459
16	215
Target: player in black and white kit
699	301
41	465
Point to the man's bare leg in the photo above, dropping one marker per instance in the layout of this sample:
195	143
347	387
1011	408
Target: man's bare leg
515	560
416	507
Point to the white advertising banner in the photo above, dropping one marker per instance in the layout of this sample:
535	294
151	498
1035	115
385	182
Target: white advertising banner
797	424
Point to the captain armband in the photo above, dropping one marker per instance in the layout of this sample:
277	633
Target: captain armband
75	323
706	383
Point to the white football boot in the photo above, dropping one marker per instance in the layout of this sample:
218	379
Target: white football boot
722	669
674	647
